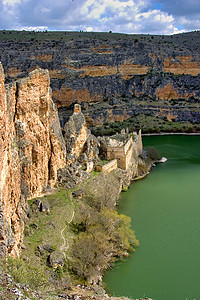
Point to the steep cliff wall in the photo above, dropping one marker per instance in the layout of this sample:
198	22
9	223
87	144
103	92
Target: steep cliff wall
31	151
91	67
76	134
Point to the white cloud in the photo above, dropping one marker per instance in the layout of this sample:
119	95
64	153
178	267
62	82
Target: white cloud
126	16
89	29
176	30
35	28
95	9
161	17
10	2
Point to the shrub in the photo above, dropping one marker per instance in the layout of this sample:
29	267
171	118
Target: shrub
153	153
144	155
119	229
86	256
108	235
59	272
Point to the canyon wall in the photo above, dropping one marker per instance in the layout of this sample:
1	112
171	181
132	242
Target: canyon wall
31	151
150	72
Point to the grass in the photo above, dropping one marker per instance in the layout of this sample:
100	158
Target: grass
148	124
45	228
85	236
152	124
60	35
147	119
190	38
60	208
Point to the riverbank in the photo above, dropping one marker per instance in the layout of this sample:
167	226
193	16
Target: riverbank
73	235
85	219
164	209
170	133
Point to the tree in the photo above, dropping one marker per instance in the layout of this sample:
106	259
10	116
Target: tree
153	153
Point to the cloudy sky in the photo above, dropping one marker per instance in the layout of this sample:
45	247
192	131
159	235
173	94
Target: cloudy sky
127	16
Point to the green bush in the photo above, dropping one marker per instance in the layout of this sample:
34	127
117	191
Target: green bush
108	235
118	227
153	153
59	272
124	188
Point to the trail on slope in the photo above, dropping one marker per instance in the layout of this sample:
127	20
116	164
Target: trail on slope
65	246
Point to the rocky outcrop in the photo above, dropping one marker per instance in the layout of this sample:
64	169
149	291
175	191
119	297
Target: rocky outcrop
31	151
78	138
76	134
82	150
106	112
87	153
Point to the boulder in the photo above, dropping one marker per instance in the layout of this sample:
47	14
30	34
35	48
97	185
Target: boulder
56	258
78	194
44	207
163	159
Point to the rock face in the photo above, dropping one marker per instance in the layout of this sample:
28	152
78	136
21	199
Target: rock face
108	113
82	150
78	138
31	151
76	134
93	68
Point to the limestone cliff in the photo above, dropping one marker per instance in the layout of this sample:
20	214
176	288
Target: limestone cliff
31	151
78	138
144	70
76	134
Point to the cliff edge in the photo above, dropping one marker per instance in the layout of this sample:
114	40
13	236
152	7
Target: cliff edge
31	151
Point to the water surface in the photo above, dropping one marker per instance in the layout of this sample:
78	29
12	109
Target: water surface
165	212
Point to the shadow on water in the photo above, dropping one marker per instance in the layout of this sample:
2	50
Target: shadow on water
165	212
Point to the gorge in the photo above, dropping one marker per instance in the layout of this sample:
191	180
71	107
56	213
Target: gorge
115	81
35	158
114	76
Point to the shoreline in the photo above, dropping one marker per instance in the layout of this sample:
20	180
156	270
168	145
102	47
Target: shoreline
171	133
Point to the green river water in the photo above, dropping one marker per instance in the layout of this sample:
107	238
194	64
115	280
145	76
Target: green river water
165	212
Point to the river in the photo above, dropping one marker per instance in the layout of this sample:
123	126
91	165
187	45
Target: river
165	212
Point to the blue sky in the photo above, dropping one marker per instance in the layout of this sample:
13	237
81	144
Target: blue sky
127	16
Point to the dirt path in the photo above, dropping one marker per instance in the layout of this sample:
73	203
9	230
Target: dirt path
65	244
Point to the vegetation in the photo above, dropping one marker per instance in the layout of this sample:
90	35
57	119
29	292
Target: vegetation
42	237
179	42
33	36
74	240
148	124
102	236
66	35
26	273
153	153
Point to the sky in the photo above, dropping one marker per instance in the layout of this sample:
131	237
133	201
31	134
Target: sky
125	16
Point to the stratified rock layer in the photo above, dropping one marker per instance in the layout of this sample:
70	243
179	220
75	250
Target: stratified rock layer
96	67
91	67
31	151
